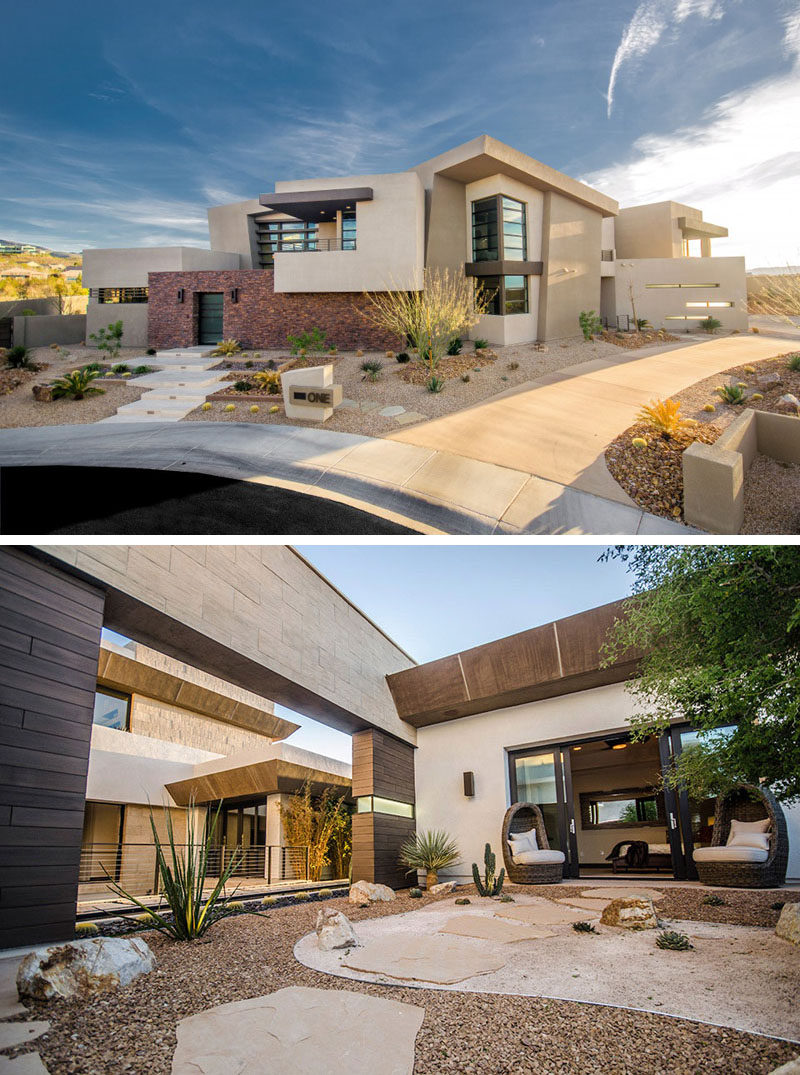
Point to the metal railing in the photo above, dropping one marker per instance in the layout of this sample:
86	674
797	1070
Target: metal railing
288	247
134	866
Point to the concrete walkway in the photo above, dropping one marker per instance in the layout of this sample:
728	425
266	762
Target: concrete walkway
182	383
558	427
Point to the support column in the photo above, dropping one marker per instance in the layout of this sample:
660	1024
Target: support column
383	767
49	649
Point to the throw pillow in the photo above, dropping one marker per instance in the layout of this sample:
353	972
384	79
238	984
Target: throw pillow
750	839
738	828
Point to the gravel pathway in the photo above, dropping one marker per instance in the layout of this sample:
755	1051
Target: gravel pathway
133	1031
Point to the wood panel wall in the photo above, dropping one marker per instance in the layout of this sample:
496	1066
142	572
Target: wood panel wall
382	766
49	646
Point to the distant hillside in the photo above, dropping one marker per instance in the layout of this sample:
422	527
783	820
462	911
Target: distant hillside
20	242
780	270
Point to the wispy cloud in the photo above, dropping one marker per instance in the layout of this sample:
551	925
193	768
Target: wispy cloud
651	20
739	164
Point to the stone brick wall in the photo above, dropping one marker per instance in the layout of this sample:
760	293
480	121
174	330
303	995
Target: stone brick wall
171	724
260	318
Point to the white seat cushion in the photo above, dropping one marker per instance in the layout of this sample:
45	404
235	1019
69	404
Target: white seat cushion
537	858
750	839
730	854
748	833
523	841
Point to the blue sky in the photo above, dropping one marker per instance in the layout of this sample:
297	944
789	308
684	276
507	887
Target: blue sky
122	123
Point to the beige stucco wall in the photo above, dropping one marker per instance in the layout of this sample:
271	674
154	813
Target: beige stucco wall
659	304
649	231
231	227
447	231
390	240
129	267
479	744
133	316
570	283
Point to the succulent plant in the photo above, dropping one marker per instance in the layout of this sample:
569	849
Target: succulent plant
673	940
268	901
639	442
230	406
491	885
415	893
254	409
462	901
713	900
86	929
206	407
583	927
709	408
506	898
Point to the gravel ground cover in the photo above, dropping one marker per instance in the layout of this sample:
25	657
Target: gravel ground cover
514	366
19	408
133	1030
632	341
653	476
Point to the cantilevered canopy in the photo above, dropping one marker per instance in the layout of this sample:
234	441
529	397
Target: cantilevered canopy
258	778
694	228
316	206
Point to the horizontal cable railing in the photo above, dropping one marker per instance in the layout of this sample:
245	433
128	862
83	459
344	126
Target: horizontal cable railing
134	866
288	247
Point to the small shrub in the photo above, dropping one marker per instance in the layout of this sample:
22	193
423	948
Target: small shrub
109	339
268	901
639	442
731	393
673	941
583	927
120	367
227	347
402	357
454	347
151	351
254	409
27	313
257	354
302	342
242	386
664	416
359	353
465	377
371	369
206	407
434	384
756	330
269	379
590	324
513	365
713	900
108	373
480	345
230	407
18	358
504	378
54	347
463	901
794	361
749	369
710	325
127	373
709	408
332	349
92	366
76	385
415	893
248	364
390	355
141	370
272	364
86	929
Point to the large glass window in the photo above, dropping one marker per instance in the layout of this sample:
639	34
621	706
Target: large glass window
122	294
506	294
514	239
485	234
368	804
111	709
348	229
498	229
275	235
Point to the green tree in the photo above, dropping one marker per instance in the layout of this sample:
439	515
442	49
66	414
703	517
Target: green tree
718	629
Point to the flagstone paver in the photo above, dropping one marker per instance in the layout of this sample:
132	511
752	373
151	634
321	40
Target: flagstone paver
492	929
598	906
26	1064
302	1031
13	1034
619	893
392	412
542	913
443	960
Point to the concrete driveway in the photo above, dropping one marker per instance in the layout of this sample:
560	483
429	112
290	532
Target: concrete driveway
558	427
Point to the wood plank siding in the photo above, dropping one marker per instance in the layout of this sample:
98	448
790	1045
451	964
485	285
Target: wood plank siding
382	766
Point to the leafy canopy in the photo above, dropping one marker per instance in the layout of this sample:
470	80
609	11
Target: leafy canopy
719	629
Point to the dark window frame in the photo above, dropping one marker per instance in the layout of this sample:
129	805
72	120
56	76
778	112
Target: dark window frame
498	251
499	301
270	238
348	229
122	295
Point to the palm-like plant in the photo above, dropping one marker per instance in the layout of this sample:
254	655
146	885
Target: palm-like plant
183	881
430	851
77	385
664	415
227	347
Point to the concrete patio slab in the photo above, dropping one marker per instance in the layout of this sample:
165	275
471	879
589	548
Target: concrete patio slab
443	960
302	1031
13	1034
492	929
27	1064
9	997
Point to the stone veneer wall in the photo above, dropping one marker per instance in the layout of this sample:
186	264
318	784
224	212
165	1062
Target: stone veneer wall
169	723
261	317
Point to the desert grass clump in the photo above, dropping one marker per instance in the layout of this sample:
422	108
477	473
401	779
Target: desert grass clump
673	940
430	850
371	369
794	361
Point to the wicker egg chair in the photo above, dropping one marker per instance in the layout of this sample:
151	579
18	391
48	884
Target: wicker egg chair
522	817
748	802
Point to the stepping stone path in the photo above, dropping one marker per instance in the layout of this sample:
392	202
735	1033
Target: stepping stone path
492	929
301	1031
423	959
541	913
620	893
596	906
18	1033
182	383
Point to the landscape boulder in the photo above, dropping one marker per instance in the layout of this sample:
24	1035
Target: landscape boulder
630	912
788	404
83	968
442	889
334	930
767	379
43	393
367	892
788	925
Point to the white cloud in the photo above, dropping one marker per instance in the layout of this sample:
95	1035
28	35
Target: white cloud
739	164
649	23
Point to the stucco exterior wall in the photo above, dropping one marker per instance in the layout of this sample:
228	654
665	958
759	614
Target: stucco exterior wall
570	283
130	267
648	231
447	231
659	304
231	227
133	315
44	329
390	240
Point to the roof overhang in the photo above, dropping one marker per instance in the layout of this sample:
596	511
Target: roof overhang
135	677
693	228
315	206
258	778
555	659
504	268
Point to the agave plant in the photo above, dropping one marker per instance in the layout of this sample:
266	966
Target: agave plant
431	851
269	379
183	874
731	393
664	416
227	347
77	385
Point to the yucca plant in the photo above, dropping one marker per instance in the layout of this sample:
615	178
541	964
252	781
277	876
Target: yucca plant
183	880
269	379
430	851
77	385
227	347
371	369
664	416
434	384
673	940
731	393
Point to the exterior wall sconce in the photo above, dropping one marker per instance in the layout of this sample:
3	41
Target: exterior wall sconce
180	294
469	785
235	294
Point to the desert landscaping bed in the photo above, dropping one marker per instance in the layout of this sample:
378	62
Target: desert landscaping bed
133	1030
653	475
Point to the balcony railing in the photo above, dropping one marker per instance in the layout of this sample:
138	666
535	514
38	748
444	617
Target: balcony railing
288	247
134	866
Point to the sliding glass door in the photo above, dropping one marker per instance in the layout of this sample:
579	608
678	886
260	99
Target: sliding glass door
543	777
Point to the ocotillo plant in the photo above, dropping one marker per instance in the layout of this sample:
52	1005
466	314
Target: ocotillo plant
491	885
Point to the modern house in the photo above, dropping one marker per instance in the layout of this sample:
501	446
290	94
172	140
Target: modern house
450	744
543	245
167	737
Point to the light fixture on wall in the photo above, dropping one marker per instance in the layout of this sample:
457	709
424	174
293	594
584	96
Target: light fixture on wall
469	785
180	294
234	294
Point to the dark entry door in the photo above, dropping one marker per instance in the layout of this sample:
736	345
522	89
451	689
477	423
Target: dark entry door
210	317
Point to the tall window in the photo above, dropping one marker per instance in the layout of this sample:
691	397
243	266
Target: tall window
348	229
507	294
498	229
275	235
112	709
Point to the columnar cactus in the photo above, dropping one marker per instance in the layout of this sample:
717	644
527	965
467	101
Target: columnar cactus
491	885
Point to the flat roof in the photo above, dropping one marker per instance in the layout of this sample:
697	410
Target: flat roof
315	206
